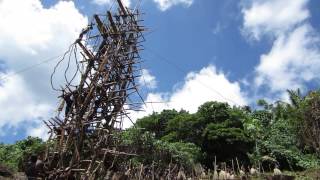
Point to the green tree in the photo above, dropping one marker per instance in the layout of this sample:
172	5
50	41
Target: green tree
227	139
279	132
157	122
151	150
15	155
184	127
309	127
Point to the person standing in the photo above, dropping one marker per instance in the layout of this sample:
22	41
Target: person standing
30	169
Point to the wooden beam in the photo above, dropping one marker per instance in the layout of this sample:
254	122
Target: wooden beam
101	27
123	9
114	28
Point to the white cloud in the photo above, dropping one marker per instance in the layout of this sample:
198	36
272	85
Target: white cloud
198	87
17	104
30	34
206	85
38	130
109	2
274	16
294	58
147	79
167	4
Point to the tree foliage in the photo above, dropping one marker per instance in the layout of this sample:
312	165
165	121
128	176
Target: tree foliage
282	133
214	127
15	155
287	132
151	150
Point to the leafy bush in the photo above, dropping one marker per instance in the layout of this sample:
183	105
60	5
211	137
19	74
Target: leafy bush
284	133
152	150
281	131
214	127
15	155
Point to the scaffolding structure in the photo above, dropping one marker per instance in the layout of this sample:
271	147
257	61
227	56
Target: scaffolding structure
83	142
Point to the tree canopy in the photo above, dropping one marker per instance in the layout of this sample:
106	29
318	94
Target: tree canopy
281	133
286	134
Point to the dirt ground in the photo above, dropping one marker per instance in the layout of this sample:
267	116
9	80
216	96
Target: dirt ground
17	176
311	174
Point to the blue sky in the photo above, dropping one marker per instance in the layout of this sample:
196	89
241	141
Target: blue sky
195	51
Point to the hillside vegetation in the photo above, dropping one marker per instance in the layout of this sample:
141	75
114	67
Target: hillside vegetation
280	134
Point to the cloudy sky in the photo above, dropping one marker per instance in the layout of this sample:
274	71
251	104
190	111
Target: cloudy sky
196	51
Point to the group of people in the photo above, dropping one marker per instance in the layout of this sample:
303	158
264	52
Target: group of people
34	168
